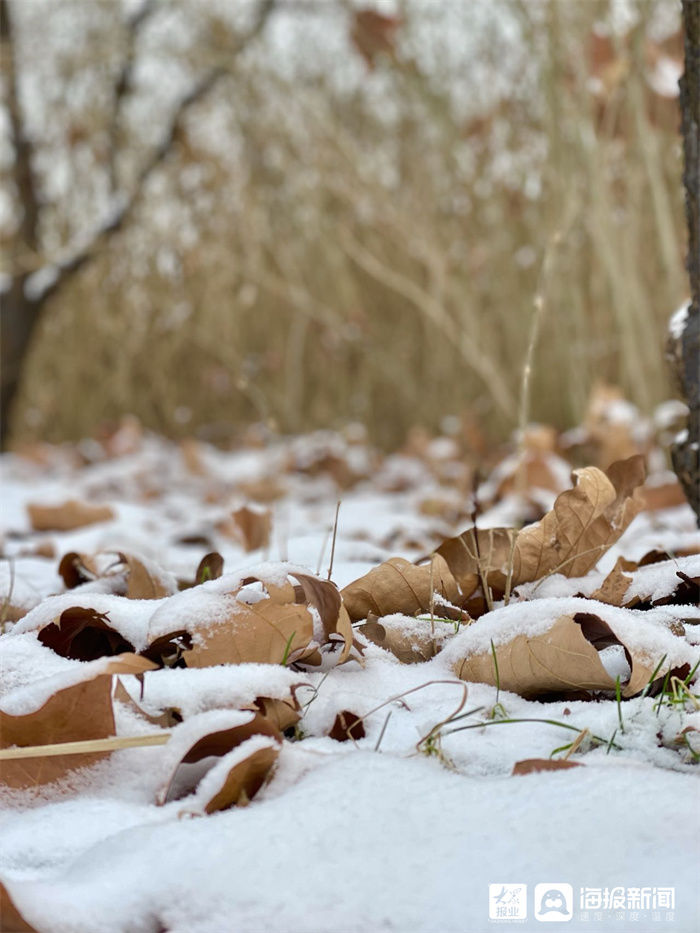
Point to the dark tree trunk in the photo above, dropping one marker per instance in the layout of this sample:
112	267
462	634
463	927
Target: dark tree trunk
685	451
18	314
18	317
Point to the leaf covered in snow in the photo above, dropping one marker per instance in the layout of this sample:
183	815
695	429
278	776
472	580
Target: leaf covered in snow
242	776
260	621
563	659
125	574
409	640
80	711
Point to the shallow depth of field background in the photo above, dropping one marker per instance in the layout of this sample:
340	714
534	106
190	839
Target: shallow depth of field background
354	224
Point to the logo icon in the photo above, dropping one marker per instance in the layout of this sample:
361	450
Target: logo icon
507	902
554	902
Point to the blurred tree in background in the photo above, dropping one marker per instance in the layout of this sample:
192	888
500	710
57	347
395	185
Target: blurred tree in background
308	213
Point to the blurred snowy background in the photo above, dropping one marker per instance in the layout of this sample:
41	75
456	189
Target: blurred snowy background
310	213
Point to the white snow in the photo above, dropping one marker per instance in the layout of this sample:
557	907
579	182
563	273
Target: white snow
346	848
377	833
676	325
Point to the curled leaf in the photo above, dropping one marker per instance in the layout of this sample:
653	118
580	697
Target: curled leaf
125	574
83	634
347	726
239	776
241	780
564	659
584	522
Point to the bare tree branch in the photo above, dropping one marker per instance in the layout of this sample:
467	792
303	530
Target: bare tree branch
63	270
25	298
123	85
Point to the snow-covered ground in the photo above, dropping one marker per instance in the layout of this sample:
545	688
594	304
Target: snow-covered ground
418	825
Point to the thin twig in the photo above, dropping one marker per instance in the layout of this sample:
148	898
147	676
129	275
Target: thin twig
84	748
335	534
381	734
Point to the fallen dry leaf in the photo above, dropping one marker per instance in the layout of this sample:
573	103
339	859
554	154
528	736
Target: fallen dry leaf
241	779
325	597
347	726
534	765
263	626
76	569
409	640
656	557
584	522
282	714
263	633
11	920
260	622
615	585
145	579
399	586
251	527
78	712
563	659
246	770
127	575
84	635
68	515
660	584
